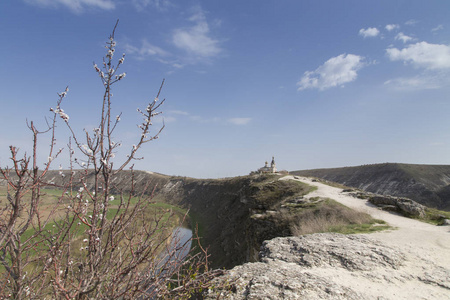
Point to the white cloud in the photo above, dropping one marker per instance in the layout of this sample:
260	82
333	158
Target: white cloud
334	72
146	50
420	82
174	115
161	5
437	28
423	54
196	39
369	32
239	121
391	27
76	6
411	22
403	37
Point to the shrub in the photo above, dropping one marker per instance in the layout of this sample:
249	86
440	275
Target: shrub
84	245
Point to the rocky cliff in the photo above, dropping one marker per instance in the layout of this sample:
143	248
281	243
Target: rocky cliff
426	184
335	266
236	214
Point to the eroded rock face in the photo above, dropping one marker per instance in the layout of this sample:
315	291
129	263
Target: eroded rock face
334	266
352	252
281	280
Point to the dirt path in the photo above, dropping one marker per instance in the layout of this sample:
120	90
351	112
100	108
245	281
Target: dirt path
426	272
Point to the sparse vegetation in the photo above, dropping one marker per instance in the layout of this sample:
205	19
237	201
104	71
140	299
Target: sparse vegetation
331	216
435	216
271	190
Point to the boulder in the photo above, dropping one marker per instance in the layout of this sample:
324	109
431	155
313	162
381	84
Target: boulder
404	206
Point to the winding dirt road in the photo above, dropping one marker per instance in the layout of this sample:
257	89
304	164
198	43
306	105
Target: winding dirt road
426	271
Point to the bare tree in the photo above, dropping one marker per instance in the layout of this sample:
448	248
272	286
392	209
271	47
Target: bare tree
92	243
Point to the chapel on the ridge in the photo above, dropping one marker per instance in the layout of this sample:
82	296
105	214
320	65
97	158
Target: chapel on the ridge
267	169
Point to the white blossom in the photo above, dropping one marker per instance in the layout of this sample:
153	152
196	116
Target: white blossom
86	148
121	76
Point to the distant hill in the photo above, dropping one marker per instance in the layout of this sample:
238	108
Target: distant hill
426	184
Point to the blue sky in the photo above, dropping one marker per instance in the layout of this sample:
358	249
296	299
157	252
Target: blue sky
314	83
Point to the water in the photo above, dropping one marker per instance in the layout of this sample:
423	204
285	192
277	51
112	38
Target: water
171	259
181	243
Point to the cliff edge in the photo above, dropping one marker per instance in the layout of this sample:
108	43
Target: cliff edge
409	262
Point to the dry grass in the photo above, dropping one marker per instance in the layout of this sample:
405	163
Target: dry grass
331	216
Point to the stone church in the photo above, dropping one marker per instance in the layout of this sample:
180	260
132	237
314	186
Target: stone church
267	169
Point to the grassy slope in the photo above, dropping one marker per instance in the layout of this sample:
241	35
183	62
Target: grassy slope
426	184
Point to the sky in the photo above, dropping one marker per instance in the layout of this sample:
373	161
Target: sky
316	84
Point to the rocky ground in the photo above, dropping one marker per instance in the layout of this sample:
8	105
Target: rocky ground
411	261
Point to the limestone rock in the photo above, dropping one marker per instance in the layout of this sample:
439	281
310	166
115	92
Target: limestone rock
352	252
285	270
404	205
281	280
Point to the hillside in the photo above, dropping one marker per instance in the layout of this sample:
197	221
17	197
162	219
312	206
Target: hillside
235	215
426	184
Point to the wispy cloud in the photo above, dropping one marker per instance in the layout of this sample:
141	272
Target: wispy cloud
174	115
391	27
334	72
437	28
403	37
411	22
160	5
197	40
419	82
369	32
145	50
239	121
423	55
77	6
